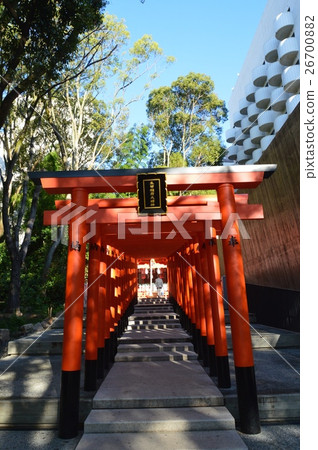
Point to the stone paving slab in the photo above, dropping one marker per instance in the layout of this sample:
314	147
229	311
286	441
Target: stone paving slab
181	355
32	377
153	315
165	326
159	419
177	384
144	347
277	371
186	440
50	341
154	336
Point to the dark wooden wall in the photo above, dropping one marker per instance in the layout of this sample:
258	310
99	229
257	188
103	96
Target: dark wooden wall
271	256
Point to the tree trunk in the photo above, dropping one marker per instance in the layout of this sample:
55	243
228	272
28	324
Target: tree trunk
15	286
17	255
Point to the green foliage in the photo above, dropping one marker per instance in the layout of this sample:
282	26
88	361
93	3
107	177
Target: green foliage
37	40
59	54
176	160
13	323
135	151
186	119
37	294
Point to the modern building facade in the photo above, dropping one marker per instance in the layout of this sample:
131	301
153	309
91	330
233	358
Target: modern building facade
267	88
264	114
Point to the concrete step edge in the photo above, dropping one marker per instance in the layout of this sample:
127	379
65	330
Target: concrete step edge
145	347
222	439
153	321
141	340
159	419
154	326
156	356
162	402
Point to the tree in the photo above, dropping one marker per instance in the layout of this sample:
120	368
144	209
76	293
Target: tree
89	131
61	110
186	118
38	39
135	151
19	139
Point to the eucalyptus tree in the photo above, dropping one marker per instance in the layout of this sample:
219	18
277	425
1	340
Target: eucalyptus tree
38	39
88	114
186	118
23	146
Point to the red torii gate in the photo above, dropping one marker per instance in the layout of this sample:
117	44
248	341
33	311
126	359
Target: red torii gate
112	293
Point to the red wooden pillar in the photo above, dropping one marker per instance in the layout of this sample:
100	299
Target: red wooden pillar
73	322
239	317
171	286
101	312
191	290
187	289
207	306
107	311
174	278
178	283
197	335
113	303
91	312
183	291
221	352
201	308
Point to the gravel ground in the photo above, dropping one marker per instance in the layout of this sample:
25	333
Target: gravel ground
272	437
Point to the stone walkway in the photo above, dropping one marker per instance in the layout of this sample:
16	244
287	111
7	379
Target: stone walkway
30	386
157	395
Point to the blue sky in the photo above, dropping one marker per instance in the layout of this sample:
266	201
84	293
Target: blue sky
205	36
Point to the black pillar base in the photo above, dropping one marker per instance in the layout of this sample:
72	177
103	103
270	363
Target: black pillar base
69	404
205	357
100	362
247	400
194	338
90	375
212	360
189	325
107	359
223	371
199	344
113	345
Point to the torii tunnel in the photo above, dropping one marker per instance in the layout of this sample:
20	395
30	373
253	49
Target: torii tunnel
119	233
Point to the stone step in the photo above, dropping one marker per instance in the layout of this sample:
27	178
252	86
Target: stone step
164	347
156	356
175	335
149	309
150	326
174	440
161	304
153	301
152	321
159	316
50	341
158	419
152	384
269	337
272	408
